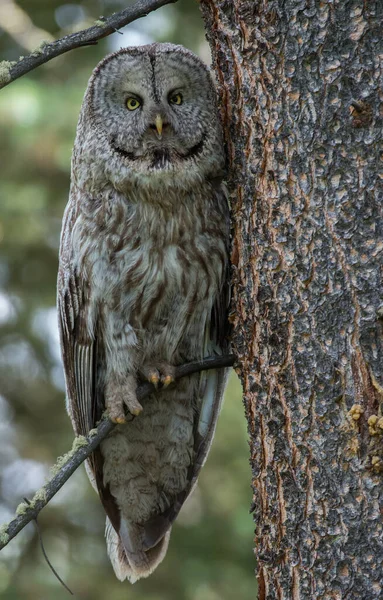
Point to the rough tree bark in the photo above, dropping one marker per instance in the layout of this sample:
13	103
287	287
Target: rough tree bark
300	84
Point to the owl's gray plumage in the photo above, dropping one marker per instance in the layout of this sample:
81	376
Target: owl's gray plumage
143	285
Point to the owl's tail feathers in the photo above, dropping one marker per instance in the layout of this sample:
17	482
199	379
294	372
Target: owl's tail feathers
129	559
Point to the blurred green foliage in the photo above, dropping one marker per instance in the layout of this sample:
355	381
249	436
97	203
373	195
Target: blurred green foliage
210	555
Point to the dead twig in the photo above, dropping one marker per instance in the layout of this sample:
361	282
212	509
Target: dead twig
10	71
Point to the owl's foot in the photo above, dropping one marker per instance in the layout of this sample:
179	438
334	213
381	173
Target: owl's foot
158	373
120	395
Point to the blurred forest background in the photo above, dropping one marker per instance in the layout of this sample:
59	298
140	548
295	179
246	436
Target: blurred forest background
210	555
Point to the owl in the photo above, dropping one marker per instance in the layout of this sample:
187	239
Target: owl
143	287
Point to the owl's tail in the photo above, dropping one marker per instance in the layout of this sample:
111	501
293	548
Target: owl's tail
125	551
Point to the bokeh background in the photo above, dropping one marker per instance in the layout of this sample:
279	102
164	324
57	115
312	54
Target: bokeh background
210	555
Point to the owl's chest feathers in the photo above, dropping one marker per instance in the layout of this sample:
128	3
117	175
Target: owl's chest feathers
148	265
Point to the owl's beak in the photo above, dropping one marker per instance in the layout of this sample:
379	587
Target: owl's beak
159	124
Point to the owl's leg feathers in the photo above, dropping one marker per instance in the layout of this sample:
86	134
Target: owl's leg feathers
120	394
158	373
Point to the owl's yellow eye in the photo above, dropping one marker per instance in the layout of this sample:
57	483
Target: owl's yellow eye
176	99
132	103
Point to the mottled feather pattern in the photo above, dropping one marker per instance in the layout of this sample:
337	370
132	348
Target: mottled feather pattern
142	285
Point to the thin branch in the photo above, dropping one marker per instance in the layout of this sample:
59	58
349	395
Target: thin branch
84	446
11	71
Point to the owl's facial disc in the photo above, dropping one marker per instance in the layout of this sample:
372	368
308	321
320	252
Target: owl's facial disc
161	140
155	106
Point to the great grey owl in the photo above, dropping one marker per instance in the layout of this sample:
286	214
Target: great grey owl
143	287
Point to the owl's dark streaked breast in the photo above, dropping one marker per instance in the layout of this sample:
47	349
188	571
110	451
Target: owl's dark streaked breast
146	275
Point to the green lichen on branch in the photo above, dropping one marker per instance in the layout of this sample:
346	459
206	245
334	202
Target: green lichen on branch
4	537
40	496
100	23
5	71
78	442
22	508
41	48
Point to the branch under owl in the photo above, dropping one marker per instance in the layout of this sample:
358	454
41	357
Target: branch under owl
9	71
84	446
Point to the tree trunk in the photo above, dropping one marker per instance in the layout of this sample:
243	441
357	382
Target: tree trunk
302	111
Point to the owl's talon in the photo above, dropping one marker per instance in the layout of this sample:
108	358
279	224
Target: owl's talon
118	420
116	414
118	395
154	378
158	373
134	407
167	380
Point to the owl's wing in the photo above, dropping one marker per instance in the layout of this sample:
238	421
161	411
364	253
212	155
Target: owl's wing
217	333
81	349
78	346
212	383
78	351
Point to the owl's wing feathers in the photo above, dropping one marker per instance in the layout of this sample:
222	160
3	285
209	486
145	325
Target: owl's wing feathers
80	357
78	346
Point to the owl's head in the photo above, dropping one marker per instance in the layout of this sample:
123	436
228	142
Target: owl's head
149	117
